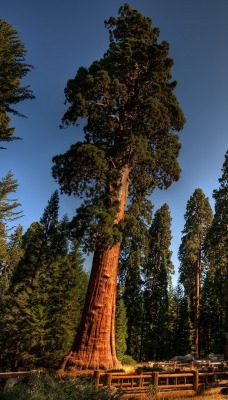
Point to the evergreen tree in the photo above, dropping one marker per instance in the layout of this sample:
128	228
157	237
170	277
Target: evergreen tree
183	332
10	255
216	245
133	300
129	149
212	316
8	213
41	269
198	218
8	206
157	273
12	69
121	327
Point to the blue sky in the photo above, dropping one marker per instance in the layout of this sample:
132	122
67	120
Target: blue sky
60	36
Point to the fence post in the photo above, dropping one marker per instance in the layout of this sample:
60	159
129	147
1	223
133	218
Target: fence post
155	378
195	379
96	376
108	379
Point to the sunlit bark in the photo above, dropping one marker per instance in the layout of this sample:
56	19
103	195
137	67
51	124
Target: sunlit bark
94	345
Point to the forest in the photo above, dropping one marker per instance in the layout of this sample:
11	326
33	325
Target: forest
54	314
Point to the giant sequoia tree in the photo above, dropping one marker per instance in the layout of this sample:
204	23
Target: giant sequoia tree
131	113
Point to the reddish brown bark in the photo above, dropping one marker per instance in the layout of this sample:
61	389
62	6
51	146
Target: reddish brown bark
94	345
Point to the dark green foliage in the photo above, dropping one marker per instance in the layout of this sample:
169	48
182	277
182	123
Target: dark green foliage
8	185
45	387
182	329
198	218
126	99
193	263
157	274
133	300
121	328
212	316
10	252
12	69
45	296
216	245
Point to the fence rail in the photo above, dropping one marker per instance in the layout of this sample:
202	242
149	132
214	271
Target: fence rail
163	384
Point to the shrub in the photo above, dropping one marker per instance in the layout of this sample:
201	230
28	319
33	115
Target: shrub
127	360
45	387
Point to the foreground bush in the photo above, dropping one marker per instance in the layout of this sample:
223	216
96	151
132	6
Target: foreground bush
44	387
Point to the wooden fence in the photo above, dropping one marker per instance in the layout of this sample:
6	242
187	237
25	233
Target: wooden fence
162	384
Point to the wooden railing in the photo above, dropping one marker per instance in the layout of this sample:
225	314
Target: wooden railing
160	383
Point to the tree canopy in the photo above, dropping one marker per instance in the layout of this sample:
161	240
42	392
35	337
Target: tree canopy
13	69
131	113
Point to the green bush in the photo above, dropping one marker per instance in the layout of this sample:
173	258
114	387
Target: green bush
44	387
127	360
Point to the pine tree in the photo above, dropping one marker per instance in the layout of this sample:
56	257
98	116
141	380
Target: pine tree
121	327
212	316
157	273
129	149
183	332
8	213
8	206
133	300
13	69
45	245
216	245
198	218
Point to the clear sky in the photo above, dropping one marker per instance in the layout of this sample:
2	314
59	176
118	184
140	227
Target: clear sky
60	36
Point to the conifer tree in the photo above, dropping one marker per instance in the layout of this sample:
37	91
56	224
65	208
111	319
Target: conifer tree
8	213
28	307
212	316
157	273
183	332
121	327
8	205
216	245
133	300
130	147
13	69
198	218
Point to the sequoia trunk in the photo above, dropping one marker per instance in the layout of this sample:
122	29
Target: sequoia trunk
94	345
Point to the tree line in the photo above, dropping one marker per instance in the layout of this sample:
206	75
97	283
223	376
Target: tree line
131	119
43	284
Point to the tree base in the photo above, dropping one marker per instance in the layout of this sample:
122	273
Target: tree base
71	364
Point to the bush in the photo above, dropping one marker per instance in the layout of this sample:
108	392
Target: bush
127	360
45	387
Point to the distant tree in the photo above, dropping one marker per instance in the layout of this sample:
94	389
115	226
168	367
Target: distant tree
8	206
8	213
183	332
129	149
211	316
133	300
10	255
216	245
121	327
198	218
157	275
12	70
134	251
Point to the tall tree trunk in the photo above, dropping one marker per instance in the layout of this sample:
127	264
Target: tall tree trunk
94	345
